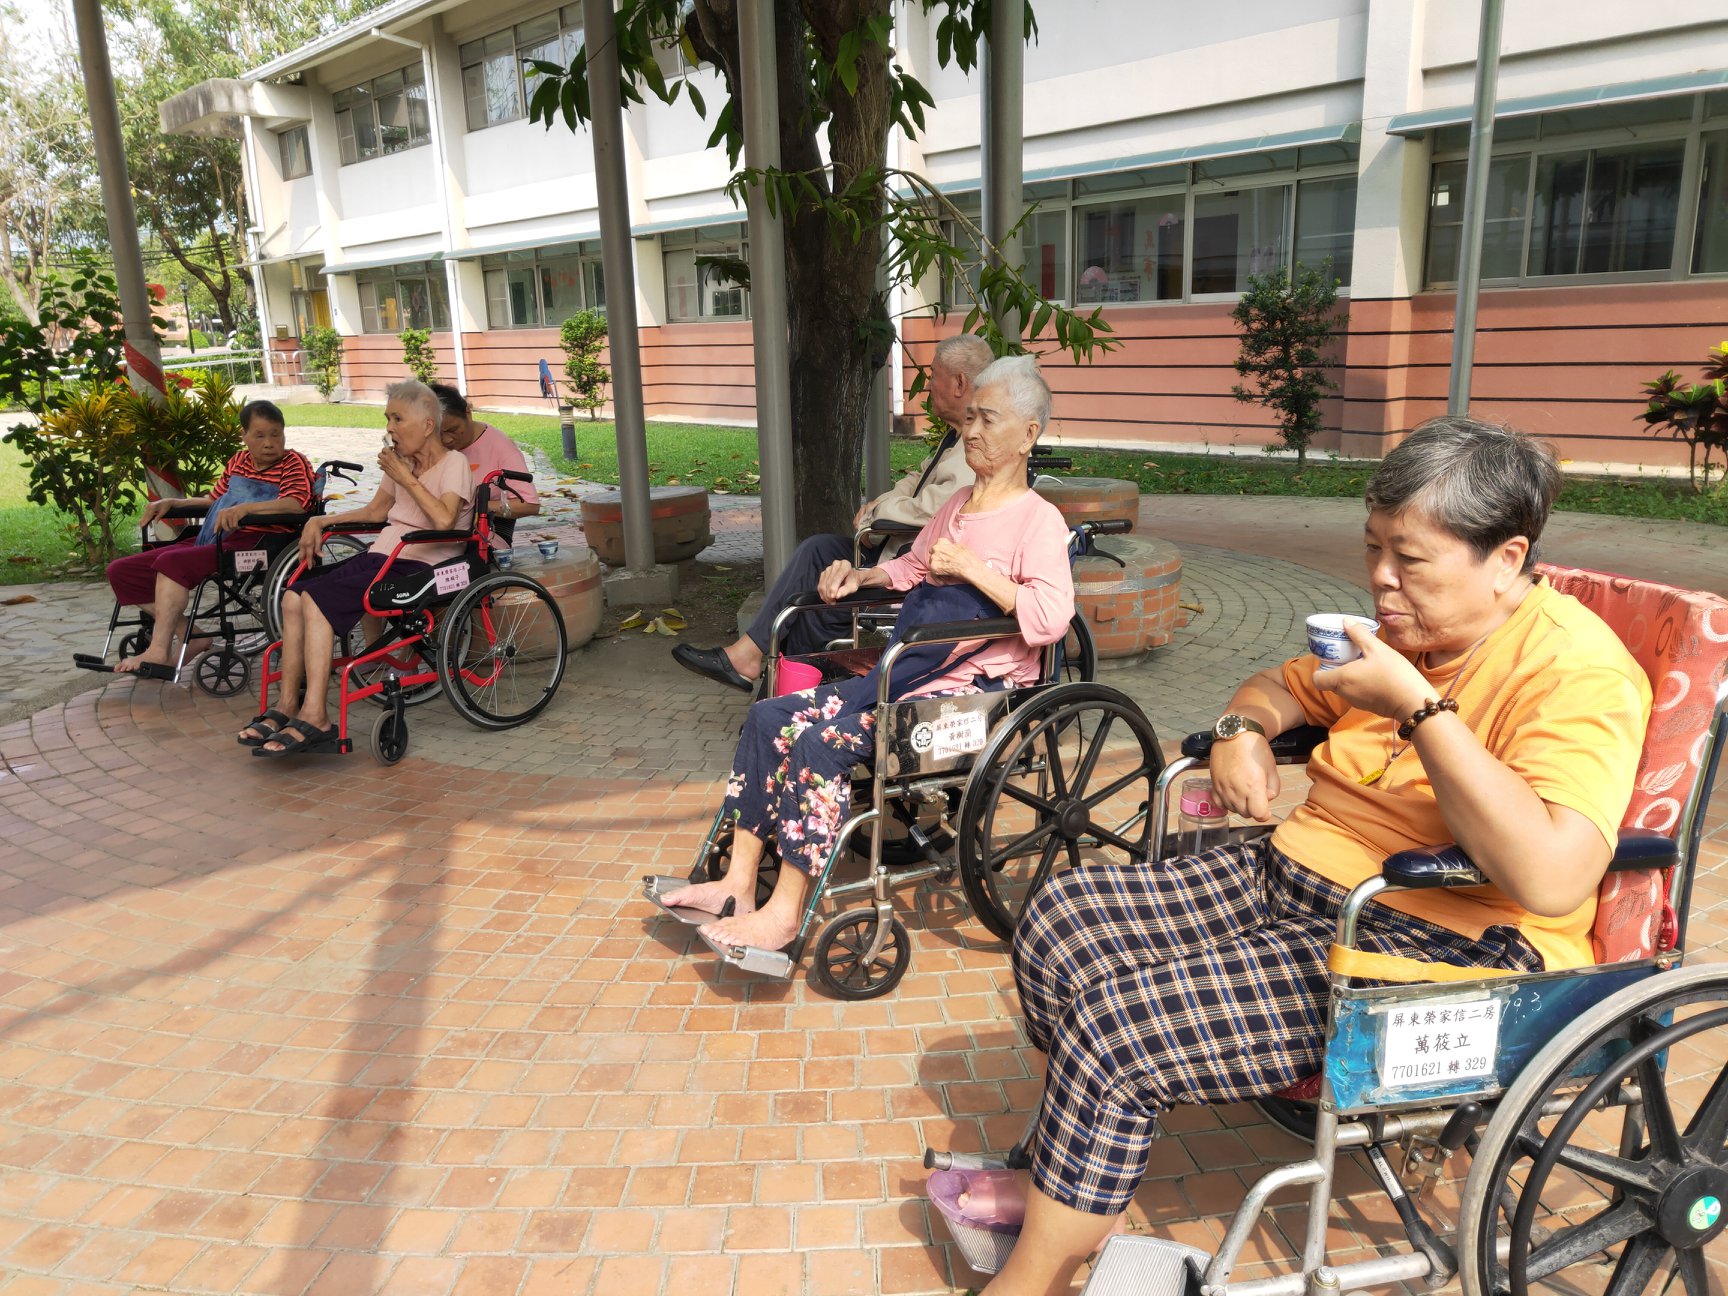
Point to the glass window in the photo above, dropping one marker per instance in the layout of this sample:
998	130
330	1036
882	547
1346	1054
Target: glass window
1606	211
1326	224
412	295
393	133
701	291
497	300
1716	104
419	108
1502	230
539	39
365	119
1130	250
385	115
295	148
491	80
1239	233
594	283
1044	253
1710	252
560	288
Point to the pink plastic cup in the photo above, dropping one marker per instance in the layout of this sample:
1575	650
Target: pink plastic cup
795	677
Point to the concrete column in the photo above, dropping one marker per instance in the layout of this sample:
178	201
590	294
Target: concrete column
143	357
254	228
1003	137
639	580
1475	208
768	309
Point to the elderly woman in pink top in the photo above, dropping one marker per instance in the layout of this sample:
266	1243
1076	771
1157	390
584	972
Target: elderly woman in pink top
995	546
425	488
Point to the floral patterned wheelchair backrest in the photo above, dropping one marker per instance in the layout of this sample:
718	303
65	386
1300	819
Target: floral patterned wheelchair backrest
1680	638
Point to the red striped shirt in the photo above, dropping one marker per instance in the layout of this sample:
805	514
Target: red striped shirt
291	475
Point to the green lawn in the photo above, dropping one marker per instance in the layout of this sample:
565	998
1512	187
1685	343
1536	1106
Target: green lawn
724	459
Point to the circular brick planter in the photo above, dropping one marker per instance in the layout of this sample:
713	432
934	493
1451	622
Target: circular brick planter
1093	499
680	517
1133	607
572	578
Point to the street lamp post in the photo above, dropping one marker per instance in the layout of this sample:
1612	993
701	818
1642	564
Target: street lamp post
186	305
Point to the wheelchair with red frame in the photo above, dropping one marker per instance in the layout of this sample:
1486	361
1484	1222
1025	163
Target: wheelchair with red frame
240	606
1591	1103
492	641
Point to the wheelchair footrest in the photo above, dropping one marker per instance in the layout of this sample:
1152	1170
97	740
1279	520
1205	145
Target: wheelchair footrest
1146	1266
655	885
90	661
774	963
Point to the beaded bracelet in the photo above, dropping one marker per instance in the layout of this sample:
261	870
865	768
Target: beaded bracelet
1433	708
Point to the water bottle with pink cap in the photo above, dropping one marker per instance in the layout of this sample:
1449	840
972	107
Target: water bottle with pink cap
1202	822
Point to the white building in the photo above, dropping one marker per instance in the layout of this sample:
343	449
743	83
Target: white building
1172	151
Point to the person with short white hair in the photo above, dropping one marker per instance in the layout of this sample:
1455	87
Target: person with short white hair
912	502
425	488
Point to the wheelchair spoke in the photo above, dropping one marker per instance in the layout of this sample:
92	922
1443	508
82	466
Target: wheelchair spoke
1017	793
1053	757
1109	837
1658	1111
1098	798
1694	1272
1570	1246
1709	1128
1638	1265
1614	1170
1045	861
1020	845
1089	760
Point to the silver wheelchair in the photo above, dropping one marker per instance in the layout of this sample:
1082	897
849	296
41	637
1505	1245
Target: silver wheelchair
1592	1104
938	768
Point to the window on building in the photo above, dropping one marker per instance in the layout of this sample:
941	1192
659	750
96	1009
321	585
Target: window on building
1710	246
294	146
1326	224
1502	230
387	114
405	296
497	77
1605	211
543	288
1131	250
1239	233
698	292
1043	243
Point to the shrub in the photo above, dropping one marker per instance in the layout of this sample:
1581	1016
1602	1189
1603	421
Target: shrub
1695	414
582	336
322	348
1286	325
417	354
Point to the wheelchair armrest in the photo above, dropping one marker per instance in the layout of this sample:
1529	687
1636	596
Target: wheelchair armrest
430	537
951	631
187	511
811	599
1449	866
1292	747
888	530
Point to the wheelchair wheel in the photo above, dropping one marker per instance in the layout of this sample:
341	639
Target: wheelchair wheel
222	672
136	642
335	549
1072	770
713	866
389	738
502	654
1079	653
840	965
1595	1193
425	658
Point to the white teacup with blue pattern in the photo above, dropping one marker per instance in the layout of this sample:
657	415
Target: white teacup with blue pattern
1327	640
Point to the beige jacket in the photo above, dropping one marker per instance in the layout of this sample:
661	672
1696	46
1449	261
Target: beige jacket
914	499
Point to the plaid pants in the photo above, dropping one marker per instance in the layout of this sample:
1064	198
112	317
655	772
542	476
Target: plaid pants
1197	980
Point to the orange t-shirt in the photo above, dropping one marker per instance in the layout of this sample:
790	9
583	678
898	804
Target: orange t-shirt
1552	694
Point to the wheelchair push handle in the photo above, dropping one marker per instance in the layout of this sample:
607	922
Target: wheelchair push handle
341	468
1108	526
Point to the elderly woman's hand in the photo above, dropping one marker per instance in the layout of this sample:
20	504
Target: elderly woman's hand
838	579
950	558
395	467
1382	680
311	540
155	510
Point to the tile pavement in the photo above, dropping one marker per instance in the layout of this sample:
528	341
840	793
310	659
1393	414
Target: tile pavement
323	1026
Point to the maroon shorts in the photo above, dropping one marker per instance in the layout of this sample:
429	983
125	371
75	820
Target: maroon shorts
340	591
183	562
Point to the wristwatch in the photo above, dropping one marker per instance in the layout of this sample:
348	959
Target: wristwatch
1231	725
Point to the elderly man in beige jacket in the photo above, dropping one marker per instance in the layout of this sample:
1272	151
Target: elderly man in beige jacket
912	501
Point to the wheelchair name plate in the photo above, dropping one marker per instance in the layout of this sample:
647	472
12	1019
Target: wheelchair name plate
447	580
246	560
1439	1041
933	735
950	736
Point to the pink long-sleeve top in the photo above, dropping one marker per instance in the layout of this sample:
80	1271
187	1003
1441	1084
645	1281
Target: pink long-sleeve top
1027	541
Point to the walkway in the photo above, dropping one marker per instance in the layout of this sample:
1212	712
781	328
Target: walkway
323	1026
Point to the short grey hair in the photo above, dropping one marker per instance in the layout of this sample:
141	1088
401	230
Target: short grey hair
1482	482
1028	393
966	354
418	397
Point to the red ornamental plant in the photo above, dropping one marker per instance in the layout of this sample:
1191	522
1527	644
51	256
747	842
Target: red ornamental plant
1694	413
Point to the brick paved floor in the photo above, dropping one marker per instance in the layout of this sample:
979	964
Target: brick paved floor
324	1026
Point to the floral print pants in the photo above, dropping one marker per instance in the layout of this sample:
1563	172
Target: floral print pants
791	779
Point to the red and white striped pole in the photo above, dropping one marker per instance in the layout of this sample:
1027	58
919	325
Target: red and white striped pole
143	357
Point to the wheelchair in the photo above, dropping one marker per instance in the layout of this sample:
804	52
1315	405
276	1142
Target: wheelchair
240	605
1592	1102
491	641
934	763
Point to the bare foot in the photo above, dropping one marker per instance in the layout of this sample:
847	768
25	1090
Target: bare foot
710	897
150	656
765	929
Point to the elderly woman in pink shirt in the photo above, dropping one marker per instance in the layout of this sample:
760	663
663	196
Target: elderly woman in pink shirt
995	548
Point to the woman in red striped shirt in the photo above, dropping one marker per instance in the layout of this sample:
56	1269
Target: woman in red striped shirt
161	579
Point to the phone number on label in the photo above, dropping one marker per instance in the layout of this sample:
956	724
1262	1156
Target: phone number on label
1439	1068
